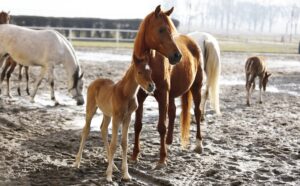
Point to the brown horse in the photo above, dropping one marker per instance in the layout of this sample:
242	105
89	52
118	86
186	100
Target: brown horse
10	64
256	66
183	79
117	101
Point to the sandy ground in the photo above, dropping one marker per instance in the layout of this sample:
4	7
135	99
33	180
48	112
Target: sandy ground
257	145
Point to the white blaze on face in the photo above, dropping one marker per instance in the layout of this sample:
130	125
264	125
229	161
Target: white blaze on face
147	67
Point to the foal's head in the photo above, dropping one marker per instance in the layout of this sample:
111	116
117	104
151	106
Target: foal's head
4	17
142	73
159	33
265	80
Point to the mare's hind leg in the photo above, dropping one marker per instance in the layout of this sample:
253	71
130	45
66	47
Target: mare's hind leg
141	96
51	83
38	82
104	131
90	111
10	71
196	92
27	79
171	115
20	79
203	102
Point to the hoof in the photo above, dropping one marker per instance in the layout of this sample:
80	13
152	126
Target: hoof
109	179
126	177
56	103
198	150
202	118
160	165
260	102
248	104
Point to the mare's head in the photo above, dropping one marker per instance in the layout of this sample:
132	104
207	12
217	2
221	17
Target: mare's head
4	17
157	32
265	80
143	72
76	90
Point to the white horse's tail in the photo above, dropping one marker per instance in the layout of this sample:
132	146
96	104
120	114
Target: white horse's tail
213	70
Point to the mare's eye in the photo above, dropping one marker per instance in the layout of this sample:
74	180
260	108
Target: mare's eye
161	30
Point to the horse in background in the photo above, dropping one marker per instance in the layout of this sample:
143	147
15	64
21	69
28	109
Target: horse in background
44	48
10	64
117	101
256	66
183	79
212	68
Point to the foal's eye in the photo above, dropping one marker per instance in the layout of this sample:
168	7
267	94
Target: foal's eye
161	30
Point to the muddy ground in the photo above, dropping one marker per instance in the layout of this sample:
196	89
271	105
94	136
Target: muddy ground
257	145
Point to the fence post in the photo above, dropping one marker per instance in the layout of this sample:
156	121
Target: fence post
117	37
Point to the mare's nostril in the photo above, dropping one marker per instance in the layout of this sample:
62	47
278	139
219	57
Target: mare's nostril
177	56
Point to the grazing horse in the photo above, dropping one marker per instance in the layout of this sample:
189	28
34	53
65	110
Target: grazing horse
183	79
256	66
117	101
44	48
212	68
11	64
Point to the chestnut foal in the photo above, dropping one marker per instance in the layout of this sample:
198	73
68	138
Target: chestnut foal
117	101
256	66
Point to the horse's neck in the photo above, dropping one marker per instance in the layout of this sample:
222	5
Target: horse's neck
128	85
140	46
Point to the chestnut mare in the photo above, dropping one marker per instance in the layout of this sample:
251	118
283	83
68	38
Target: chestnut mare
183	79
117	101
10	64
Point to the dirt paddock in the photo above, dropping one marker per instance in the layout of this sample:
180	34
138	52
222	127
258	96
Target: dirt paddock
257	145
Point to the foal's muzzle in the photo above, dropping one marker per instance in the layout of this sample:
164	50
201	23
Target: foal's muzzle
151	88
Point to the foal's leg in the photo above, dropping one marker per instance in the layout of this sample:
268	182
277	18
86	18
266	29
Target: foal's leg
38	82
27	79
141	97
90	111
172	115
260	92
104	131
6	66
124	143
10	71
113	146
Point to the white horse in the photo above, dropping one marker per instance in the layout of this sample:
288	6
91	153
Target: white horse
212	67
45	48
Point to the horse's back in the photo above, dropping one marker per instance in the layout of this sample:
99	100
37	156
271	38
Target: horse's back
255	65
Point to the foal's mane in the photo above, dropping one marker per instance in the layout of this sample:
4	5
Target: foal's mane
139	43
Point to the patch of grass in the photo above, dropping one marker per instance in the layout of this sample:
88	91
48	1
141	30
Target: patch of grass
272	47
101	44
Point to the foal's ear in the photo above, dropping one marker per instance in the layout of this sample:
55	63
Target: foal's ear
169	12
157	10
269	74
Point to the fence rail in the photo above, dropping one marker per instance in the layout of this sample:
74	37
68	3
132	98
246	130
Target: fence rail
94	34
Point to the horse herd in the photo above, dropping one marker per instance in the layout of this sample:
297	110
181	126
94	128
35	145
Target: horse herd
165	64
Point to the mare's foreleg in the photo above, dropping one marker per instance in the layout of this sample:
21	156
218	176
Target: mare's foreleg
51	83
38	82
90	111
10	71
124	144
113	146
171	115
163	100
27	79
141	96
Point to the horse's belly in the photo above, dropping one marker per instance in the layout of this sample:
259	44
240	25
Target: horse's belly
180	85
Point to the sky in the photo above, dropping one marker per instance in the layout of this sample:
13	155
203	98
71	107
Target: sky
113	9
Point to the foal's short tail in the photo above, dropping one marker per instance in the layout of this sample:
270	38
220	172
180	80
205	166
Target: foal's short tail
185	118
213	70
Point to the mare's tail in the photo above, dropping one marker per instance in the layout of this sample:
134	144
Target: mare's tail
213	70
185	118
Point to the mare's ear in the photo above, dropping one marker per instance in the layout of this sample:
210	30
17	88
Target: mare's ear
157	10
169	12
81	76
